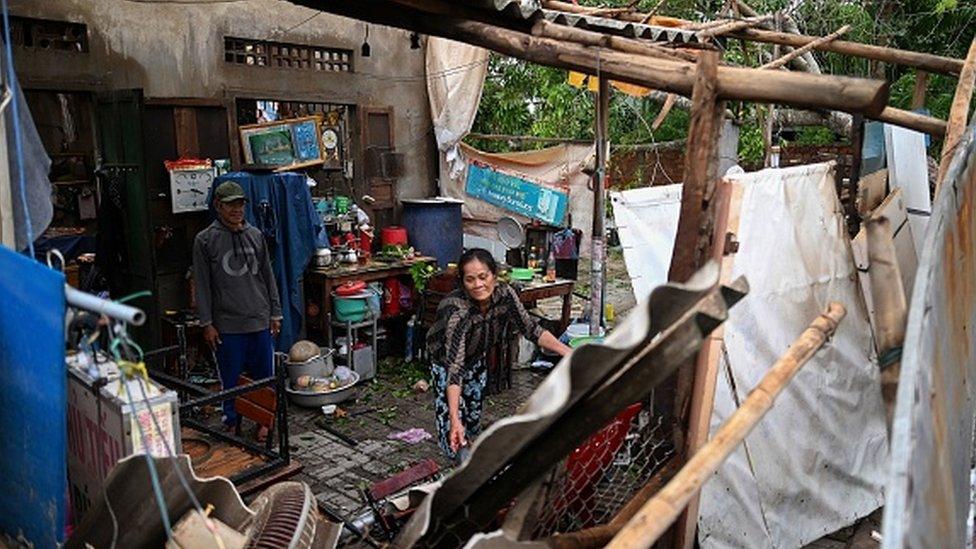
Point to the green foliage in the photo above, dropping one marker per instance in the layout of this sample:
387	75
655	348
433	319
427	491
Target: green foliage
751	145
815	135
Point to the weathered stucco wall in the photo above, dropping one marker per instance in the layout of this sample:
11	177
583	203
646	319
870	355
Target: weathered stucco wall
172	50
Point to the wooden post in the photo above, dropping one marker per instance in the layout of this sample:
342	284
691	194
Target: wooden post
728	197
921	84
958	114
700	165
598	254
657	514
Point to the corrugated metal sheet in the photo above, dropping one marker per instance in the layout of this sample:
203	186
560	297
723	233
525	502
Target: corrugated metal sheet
622	28
531	9
929	488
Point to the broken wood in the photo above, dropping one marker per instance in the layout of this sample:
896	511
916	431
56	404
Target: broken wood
777	63
890	306
732	26
931	63
650	15
785	88
806	62
658	513
958	114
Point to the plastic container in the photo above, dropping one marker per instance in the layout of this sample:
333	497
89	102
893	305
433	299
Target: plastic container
434	227
393	236
350	309
520	273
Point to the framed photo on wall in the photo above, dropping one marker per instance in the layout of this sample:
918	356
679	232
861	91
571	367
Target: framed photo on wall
283	144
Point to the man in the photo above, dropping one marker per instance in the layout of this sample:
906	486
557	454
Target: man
237	299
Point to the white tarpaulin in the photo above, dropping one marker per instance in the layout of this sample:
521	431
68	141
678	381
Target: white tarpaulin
647	221
816	461
455	78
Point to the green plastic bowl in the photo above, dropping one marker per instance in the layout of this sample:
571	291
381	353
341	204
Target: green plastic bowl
521	273
350	309
583	340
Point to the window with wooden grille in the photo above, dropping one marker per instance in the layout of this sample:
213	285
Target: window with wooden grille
46	34
261	53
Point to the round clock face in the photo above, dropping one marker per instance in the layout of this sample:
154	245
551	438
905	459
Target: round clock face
330	139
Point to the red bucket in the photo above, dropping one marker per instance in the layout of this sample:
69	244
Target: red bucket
393	236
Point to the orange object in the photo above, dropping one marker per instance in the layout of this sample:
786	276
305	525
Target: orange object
353	287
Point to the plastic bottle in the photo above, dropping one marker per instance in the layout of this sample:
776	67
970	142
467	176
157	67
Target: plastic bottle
533	259
408	352
551	268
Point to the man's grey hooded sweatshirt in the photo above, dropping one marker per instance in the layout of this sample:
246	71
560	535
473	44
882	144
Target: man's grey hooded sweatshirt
235	287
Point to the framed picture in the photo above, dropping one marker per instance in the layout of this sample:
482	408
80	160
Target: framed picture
284	144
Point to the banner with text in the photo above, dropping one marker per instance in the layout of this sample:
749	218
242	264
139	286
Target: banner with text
516	194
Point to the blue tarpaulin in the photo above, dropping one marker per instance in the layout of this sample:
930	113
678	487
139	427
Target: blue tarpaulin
33	400
280	206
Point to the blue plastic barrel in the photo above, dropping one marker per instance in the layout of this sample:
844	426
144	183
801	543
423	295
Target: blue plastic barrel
434	227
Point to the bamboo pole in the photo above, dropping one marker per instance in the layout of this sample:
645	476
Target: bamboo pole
658	513
918	95
777	63
958	114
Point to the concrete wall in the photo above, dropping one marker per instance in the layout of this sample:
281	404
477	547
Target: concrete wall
174	50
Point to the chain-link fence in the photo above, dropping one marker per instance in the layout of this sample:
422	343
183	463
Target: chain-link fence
593	483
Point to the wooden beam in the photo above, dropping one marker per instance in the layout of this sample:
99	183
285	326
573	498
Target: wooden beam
958	114
932	63
701	162
665	110
777	63
658	513
782	87
912	120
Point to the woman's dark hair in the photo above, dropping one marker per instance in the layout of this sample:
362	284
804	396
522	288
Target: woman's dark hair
478	254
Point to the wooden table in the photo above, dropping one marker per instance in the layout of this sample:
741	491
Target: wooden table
537	289
327	278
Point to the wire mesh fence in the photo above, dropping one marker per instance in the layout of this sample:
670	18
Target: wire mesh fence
597	479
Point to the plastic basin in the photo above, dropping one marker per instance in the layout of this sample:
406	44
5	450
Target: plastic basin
350	309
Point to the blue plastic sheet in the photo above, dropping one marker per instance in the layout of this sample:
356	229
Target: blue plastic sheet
33	400
280	206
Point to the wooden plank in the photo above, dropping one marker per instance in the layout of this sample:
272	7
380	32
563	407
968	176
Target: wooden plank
187	138
871	190
700	165
958	114
415	473
657	514
729	198
918	95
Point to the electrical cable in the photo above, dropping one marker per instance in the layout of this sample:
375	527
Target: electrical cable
12	86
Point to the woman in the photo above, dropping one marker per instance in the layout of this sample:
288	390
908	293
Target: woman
470	321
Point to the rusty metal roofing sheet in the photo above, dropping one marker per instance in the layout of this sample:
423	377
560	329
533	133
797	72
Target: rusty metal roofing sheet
622	28
929	490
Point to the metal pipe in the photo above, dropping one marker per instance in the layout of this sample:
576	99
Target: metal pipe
111	309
